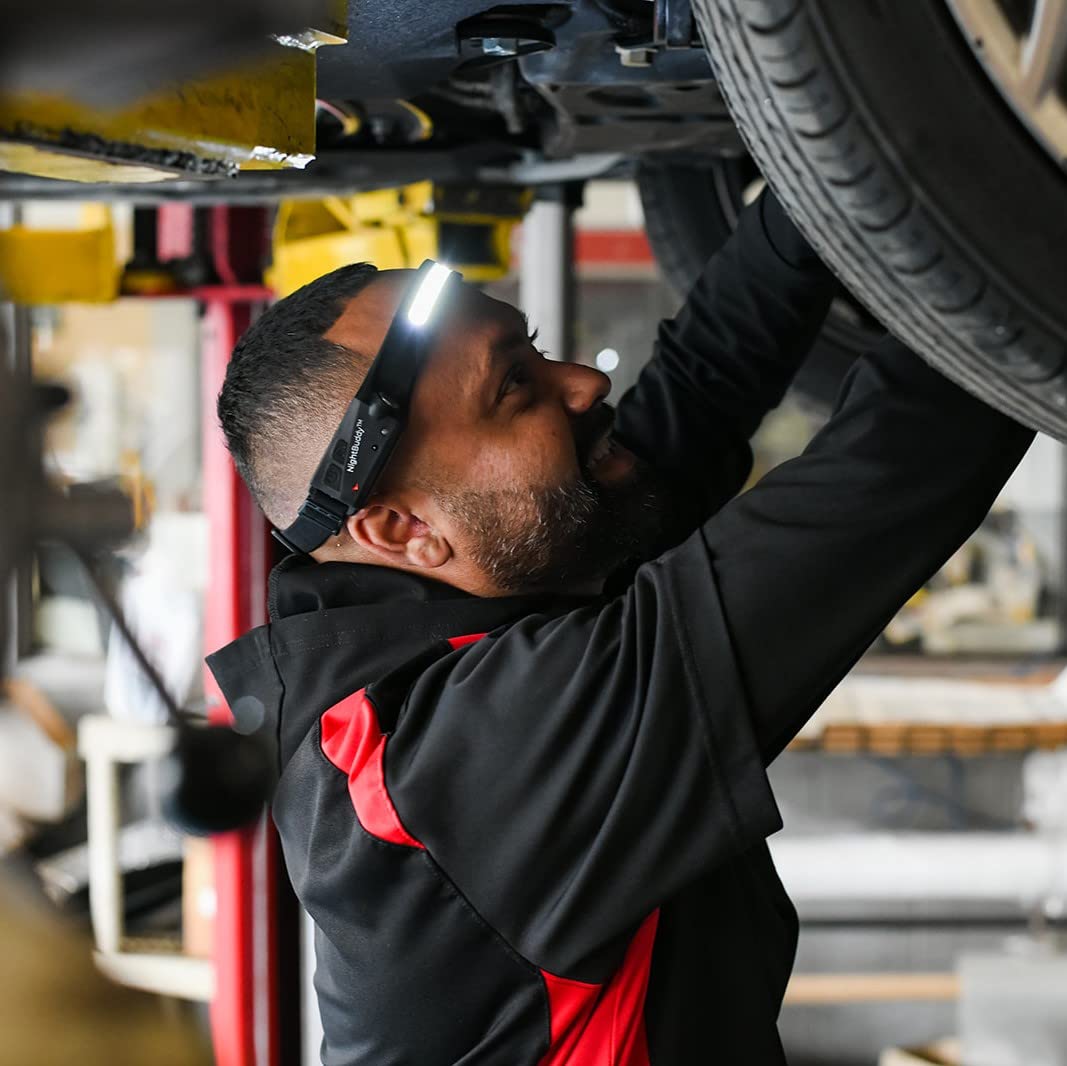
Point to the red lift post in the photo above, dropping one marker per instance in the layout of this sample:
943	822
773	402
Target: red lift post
245	1013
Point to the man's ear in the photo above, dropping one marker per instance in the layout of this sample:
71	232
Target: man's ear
398	537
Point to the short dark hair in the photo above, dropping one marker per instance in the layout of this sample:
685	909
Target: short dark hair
286	387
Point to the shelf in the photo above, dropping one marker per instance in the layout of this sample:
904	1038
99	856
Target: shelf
908	705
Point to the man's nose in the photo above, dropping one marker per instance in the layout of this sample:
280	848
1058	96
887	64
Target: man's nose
582	387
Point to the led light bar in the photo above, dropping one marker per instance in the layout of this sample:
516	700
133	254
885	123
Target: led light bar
425	298
363	443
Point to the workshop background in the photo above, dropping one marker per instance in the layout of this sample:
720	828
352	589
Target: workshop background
925	804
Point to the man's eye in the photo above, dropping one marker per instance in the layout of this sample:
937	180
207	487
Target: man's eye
516	378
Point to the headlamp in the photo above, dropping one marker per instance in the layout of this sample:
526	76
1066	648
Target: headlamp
364	441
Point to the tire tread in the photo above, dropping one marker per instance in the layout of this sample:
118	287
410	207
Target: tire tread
853	200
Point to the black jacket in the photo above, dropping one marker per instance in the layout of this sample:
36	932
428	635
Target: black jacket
530	830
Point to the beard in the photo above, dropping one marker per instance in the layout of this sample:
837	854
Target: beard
537	538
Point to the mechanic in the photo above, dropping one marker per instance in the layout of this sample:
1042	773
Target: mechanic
525	695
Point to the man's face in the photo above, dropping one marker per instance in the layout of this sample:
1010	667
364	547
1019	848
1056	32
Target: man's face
508	453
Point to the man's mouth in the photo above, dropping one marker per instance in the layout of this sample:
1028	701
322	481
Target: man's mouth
609	461
603	457
601	449
596	441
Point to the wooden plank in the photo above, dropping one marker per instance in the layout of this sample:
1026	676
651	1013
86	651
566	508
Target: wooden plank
820	989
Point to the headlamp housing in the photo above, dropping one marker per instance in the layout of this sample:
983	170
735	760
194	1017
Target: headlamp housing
363	443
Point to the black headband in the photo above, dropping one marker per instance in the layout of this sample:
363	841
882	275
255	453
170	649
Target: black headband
362	444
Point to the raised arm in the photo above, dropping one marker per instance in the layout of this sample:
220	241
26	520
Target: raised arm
811	563
727	357
570	773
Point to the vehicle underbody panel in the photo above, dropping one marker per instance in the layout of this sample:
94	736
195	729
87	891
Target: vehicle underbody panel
523	92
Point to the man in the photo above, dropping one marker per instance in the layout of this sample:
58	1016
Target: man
522	786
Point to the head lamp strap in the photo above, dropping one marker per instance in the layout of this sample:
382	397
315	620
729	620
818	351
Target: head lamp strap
364	441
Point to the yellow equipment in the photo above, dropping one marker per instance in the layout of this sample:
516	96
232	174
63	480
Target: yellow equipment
468	228
258	116
50	266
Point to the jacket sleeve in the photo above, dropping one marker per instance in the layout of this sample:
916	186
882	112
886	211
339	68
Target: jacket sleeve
727	358
569	774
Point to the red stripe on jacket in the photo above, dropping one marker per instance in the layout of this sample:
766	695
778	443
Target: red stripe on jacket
589	1024
603	1025
467	638
353	741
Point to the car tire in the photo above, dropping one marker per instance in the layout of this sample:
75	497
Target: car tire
691	207
892	149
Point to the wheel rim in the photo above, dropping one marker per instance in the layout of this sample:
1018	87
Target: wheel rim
1022	44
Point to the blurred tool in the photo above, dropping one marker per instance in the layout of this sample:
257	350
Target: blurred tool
219	780
57	1009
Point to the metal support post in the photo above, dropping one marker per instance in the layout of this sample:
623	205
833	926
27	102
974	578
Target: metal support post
1061	528
17	348
546	269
